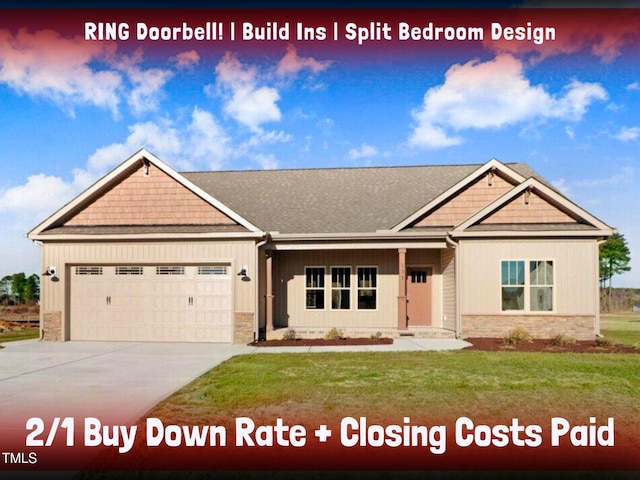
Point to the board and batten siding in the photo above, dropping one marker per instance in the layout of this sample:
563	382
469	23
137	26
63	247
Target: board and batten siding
64	255
575	273
448	289
290	294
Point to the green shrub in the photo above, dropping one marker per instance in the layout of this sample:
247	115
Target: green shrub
603	342
334	334
375	336
517	336
289	335
562	340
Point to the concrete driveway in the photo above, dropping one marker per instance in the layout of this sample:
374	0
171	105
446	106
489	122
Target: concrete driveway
116	382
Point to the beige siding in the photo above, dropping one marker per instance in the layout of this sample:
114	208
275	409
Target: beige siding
290	293
575	271
469	201
448	289
55	294
151	199
289	286
534	210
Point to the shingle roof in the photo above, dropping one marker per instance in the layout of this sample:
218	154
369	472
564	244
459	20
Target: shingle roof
337	200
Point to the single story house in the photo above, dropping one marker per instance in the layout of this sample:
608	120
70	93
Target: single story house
150	254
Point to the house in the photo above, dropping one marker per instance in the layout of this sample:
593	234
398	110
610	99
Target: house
150	254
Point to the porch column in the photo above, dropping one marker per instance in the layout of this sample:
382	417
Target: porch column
402	289
269	295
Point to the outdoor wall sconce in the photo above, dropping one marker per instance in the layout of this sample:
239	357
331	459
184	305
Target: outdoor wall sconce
51	272
244	271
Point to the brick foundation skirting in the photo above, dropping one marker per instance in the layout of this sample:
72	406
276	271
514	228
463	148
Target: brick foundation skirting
243	328
52	326
580	327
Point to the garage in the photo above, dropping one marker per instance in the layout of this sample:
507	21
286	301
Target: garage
184	303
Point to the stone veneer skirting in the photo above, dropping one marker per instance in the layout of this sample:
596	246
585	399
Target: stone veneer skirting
243	328
52	326
580	327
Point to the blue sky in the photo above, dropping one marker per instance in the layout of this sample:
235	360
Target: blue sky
73	109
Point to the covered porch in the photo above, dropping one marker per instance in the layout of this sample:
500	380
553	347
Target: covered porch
390	289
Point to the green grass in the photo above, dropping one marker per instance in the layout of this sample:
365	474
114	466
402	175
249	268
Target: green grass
621	327
21	335
418	384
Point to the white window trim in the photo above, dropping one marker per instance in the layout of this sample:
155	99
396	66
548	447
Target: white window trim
324	288
350	289
527	287
358	288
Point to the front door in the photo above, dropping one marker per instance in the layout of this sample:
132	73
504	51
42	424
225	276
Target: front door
419	295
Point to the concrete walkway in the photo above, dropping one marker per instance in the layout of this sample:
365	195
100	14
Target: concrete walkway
398	345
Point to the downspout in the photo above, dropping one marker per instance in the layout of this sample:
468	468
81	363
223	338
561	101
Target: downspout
256	318
40	309
457	322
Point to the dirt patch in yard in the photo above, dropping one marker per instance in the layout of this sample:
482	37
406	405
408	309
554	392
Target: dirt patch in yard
315	342
545	345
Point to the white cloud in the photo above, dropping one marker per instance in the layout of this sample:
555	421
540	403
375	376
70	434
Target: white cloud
627	134
201	144
246	102
570	133
633	86
267	162
270	137
35	197
365	151
47	65
207	140
186	59
292	64
493	94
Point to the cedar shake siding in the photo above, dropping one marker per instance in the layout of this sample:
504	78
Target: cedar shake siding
151	198
467	202
528	208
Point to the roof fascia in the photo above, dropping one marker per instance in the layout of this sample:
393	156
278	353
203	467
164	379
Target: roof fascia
109	177
546	191
491	164
537	234
148	236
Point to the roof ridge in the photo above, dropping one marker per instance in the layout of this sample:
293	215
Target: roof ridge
370	167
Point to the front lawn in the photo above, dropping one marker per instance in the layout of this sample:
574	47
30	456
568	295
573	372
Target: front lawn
26	334
621	327
425	385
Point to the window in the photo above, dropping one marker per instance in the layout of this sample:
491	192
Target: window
129	270
212	270
530	289
88	270
314	286
367	288
169	270
513	285
340	288
541	279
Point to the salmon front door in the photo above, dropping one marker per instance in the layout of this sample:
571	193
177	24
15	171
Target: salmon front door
419	295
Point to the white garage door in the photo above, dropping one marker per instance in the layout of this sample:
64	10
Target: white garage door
177	303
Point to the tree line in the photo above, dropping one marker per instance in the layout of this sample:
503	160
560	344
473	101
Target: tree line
19	289
614	260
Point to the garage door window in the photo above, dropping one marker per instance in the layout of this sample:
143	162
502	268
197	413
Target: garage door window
88	270
129	270
169	270
212	270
